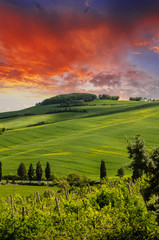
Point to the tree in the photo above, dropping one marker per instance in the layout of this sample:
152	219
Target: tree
135	98
153	188
39	171
103	173
105	96
63	98
120	172
31	172
47	171
0	171
114	97
140	157
21	171
154	174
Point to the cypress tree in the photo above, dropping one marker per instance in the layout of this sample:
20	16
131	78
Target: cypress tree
0	171
21	171
39	171
31	172
47	171
103	173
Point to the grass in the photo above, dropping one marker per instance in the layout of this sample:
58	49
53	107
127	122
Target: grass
97	104
26	121
77	142
13	189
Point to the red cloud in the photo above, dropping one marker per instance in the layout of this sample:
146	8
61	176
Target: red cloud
36	49
105	79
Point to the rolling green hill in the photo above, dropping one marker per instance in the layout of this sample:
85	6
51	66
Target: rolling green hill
75	139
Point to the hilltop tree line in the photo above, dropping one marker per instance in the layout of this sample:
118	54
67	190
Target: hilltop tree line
108	97
64	98
79	99
73	99
135	98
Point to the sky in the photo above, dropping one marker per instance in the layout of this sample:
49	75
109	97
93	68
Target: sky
52	47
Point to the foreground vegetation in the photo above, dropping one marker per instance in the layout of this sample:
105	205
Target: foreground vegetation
113	210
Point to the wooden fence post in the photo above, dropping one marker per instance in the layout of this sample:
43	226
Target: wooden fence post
89	189
58	206
11	200
38	197
130	190
110	184
84	203
23	212
49	194
66	193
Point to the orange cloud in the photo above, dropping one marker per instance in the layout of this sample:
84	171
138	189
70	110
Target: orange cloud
155	49
137	53
141	44
53	52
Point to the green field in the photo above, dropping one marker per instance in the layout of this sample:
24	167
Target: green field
9	189
77	141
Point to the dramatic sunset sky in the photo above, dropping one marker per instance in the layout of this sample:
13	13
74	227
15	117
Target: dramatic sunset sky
51	47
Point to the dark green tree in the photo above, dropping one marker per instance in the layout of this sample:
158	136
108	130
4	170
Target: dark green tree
154	173
135	98
103	172
21	172
31	172
153	188
105	96
47	171
120	172
141	161
39	171
0	171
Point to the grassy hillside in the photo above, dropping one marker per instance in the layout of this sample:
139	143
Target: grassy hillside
93	107
77	141
7	190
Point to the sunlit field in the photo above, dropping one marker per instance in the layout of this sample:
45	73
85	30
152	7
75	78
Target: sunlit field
78	141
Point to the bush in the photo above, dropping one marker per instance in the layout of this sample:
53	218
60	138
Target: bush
76	179
11	177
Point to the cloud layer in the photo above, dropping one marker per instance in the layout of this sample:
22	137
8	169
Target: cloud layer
51	48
